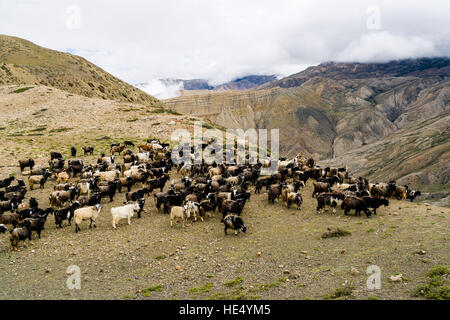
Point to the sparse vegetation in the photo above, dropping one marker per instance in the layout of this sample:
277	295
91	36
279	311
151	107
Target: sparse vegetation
341	292
22	89
202	290
438	287
234	282
147	292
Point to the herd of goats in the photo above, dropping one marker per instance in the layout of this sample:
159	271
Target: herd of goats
203	189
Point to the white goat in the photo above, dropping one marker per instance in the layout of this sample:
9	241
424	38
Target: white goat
123	212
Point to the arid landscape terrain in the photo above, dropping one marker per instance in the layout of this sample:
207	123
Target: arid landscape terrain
339	120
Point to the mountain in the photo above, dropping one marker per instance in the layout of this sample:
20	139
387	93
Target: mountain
246	83
23	62
384	120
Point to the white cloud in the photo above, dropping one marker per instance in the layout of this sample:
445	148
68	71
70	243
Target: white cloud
219	40
162	90
383	46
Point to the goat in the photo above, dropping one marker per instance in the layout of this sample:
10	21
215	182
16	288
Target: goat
20	234
328	199
234	222
90	213
38	223
19	186
179	214
66	214
294	197
355	203
6	182
12	219
123	212
88	150
375	203
32	180
26	164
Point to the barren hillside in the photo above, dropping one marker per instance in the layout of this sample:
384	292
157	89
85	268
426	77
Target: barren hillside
23	62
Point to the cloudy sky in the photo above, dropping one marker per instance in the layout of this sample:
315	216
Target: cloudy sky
139	41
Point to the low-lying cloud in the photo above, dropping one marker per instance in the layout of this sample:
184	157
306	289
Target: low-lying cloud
162	89
383	46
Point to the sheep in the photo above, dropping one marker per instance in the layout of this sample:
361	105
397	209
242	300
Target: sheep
179	214
383	190
90	213
123	212
73	151
157	183
400	193
17	195
32	180
143	156
20	234
321	187
62	186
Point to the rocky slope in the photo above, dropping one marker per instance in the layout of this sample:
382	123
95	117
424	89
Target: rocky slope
333	111
23	62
